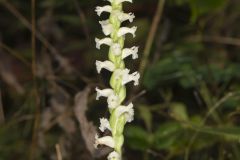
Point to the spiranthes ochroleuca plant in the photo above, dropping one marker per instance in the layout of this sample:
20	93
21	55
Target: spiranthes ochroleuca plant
119	114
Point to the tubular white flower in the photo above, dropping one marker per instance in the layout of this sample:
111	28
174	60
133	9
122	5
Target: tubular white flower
106	41
131	77
100	10
127	111
119	1
116	49
125	30
107	141
109	1
104	92
104	124
130	51
106	27
113	101
108	65
113	155
125	16
126	77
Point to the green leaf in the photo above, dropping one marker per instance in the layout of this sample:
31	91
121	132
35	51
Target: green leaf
159	73
228	132
166	135
146	115
200	7
179	112
137	138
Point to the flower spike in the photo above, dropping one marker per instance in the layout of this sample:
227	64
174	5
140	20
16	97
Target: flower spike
119	113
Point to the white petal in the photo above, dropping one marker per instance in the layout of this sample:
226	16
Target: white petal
104	124
131	77
100	10
126	77
127	111
116	49
113	156
126	16
113	101
125	30
121	1
106	27
107	141
106	41
123	16
104	93
109	1
108	65
130	51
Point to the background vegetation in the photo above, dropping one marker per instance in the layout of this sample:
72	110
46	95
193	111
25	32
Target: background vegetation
187	106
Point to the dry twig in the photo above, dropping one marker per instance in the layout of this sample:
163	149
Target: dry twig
58	150
151	36
215	39
2	119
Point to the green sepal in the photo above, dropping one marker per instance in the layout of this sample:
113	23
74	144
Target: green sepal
121	41
113	80
120	125
119	140
117	126
122	94
117	123
111	57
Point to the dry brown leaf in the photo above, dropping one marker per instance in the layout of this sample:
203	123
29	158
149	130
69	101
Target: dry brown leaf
88	130
11	80
61	107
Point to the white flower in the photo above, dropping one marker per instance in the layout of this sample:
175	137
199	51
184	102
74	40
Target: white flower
107	141
106	27
113	156
130	51
104	93
127	111
106	41
116	49
126	77
108	65
131	77
125	16
104	124
124	30
113	101
100	10
119	1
